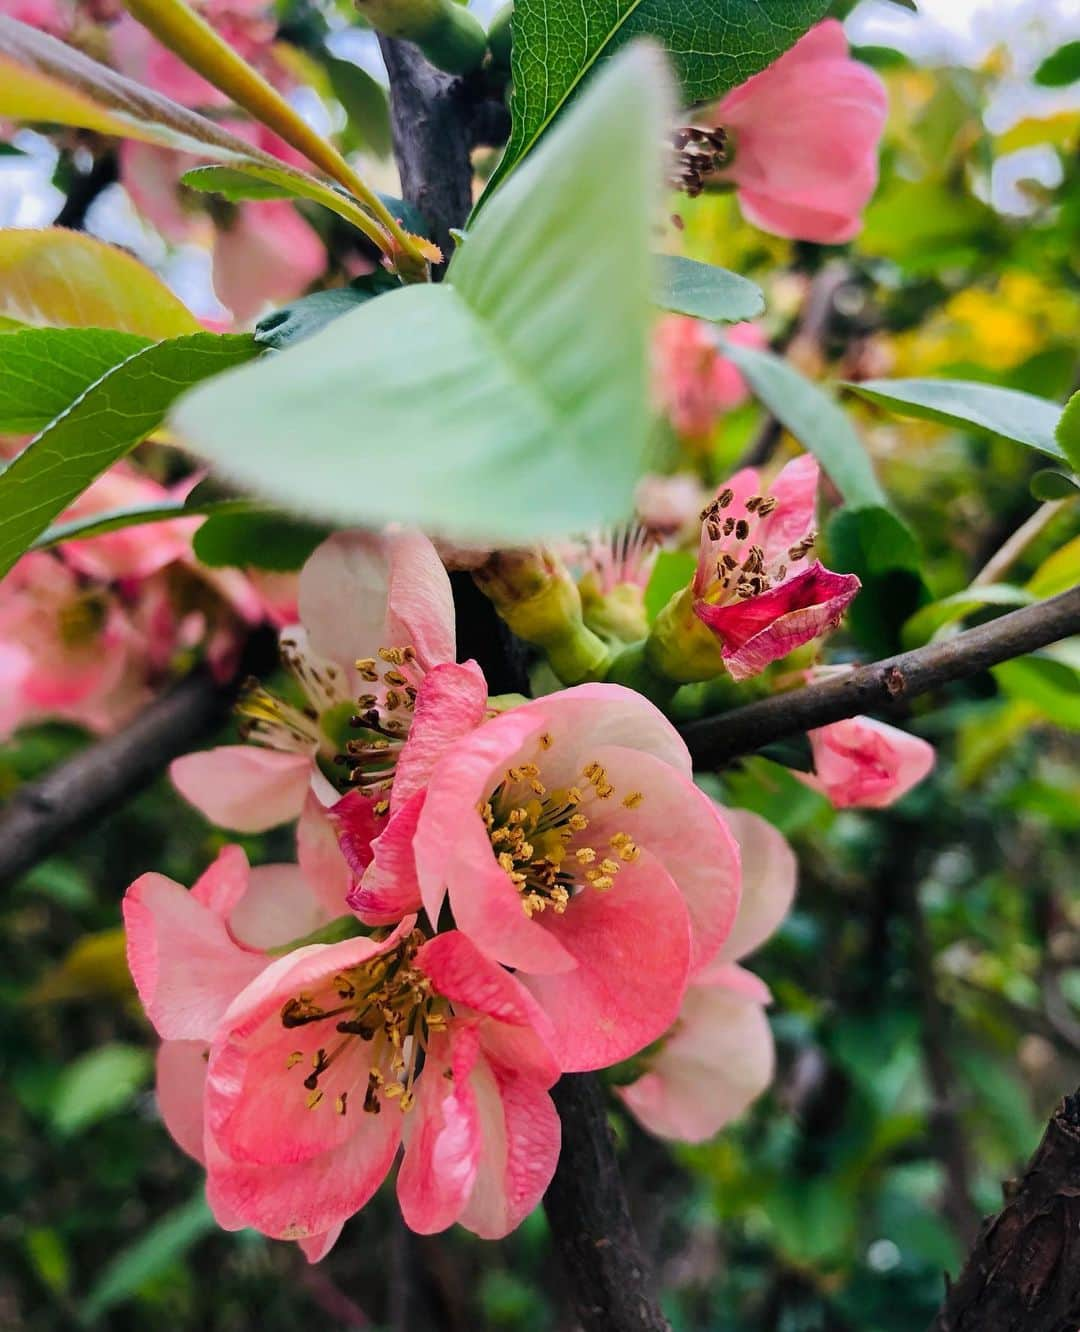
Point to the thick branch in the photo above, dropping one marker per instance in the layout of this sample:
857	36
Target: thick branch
1023	1274
716	740
590	1222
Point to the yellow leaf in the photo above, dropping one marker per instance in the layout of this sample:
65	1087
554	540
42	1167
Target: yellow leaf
1058	572
95	966
66	279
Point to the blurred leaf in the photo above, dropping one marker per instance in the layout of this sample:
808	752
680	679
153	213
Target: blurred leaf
506	403
1049	681
1050	485
110	418
874	544
1058	572
1034	131
1061	68
306	316
815	420
971	406
43	371
813	1220
95	966
930	620
67	279
917	223
365	102
258	540
704	291
671	573
1068	431
49	1257
714	45
1000	1097
98	1084
112	520
775	793
162	1245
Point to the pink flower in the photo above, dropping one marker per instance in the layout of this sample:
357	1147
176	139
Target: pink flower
863	763
804	134
720	1055
754	587
670	505
695	384
266	254
574	846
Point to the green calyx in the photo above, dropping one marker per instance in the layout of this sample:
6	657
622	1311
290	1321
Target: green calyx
450	36
679	647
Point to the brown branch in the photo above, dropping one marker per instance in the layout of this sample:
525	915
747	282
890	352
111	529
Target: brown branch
715	741
1023	1273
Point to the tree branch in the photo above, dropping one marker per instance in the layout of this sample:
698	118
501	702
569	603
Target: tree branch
1023	1274
714	741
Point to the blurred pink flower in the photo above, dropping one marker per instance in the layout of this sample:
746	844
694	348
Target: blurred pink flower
804	135
694	383
719	1055
866	764
754	587
669	506
129	552
574	846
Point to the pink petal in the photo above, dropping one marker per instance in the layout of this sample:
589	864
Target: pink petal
864	763
186	965
769	874
221	886
181	1081
266	254
420	608
243	787
632	946
795	489
718	1059
278	907
762	629
452	701
316	1247
321	856
356	825
389	888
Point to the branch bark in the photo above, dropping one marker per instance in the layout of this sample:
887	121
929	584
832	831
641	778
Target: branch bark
1023	1274
715	741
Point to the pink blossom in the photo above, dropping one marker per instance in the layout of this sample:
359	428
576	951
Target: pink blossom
694	384
128	552
266	254
863	763
754	586
574	846
719	1055
804	135
670	505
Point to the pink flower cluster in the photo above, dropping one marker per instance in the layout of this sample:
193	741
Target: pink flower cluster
89	630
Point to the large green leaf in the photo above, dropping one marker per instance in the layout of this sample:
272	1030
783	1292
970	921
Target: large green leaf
972	406
509	402
110	418
815	420
43	370
714	44
704	291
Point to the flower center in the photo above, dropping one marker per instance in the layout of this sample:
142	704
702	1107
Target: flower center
384	1007
539	836
741	569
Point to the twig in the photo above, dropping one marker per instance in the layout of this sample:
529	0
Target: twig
1023	1273
590	1221
716	740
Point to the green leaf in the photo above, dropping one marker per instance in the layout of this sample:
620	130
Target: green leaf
98	1084
927	623
257	540
43	370
135	515
873	543
1058	572
1068	431
671	573
1049	680
365	102
815	420
1048	485
704	291
504	404
152	1254
1061	68
971	406
714	45
118	411
303	318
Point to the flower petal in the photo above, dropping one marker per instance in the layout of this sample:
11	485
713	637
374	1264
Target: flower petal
389	888
181	1081
278	907
452	701
242	787
322	857
769	874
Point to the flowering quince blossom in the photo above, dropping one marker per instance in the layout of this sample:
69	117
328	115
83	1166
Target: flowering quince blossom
754	586
720	1054
694	383
296	1079
573	846
804	134
863	763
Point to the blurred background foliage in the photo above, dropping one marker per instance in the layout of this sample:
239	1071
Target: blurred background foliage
927	986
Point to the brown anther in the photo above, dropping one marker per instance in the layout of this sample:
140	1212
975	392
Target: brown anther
546	741
314	1099
742	529
340	1103
725	497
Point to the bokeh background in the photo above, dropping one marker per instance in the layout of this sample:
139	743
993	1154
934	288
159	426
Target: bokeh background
927	985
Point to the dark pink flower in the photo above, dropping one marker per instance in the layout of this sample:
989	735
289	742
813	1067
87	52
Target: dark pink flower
860	763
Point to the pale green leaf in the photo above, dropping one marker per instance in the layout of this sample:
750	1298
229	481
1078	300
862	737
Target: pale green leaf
1048	680
43	371
509	402
705	291
713	44
111	417
98	1084
365	102
928	622
815	420
971	406
1058	572
1068	431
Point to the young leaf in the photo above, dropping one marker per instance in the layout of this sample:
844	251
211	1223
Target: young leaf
1061	68
815	420
67	279
1058	572
43	371
714	45
110	418
1050	680
1068	432
365	102
972	406
258	540
704	291
506	403
930	620
1048	484
112	520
